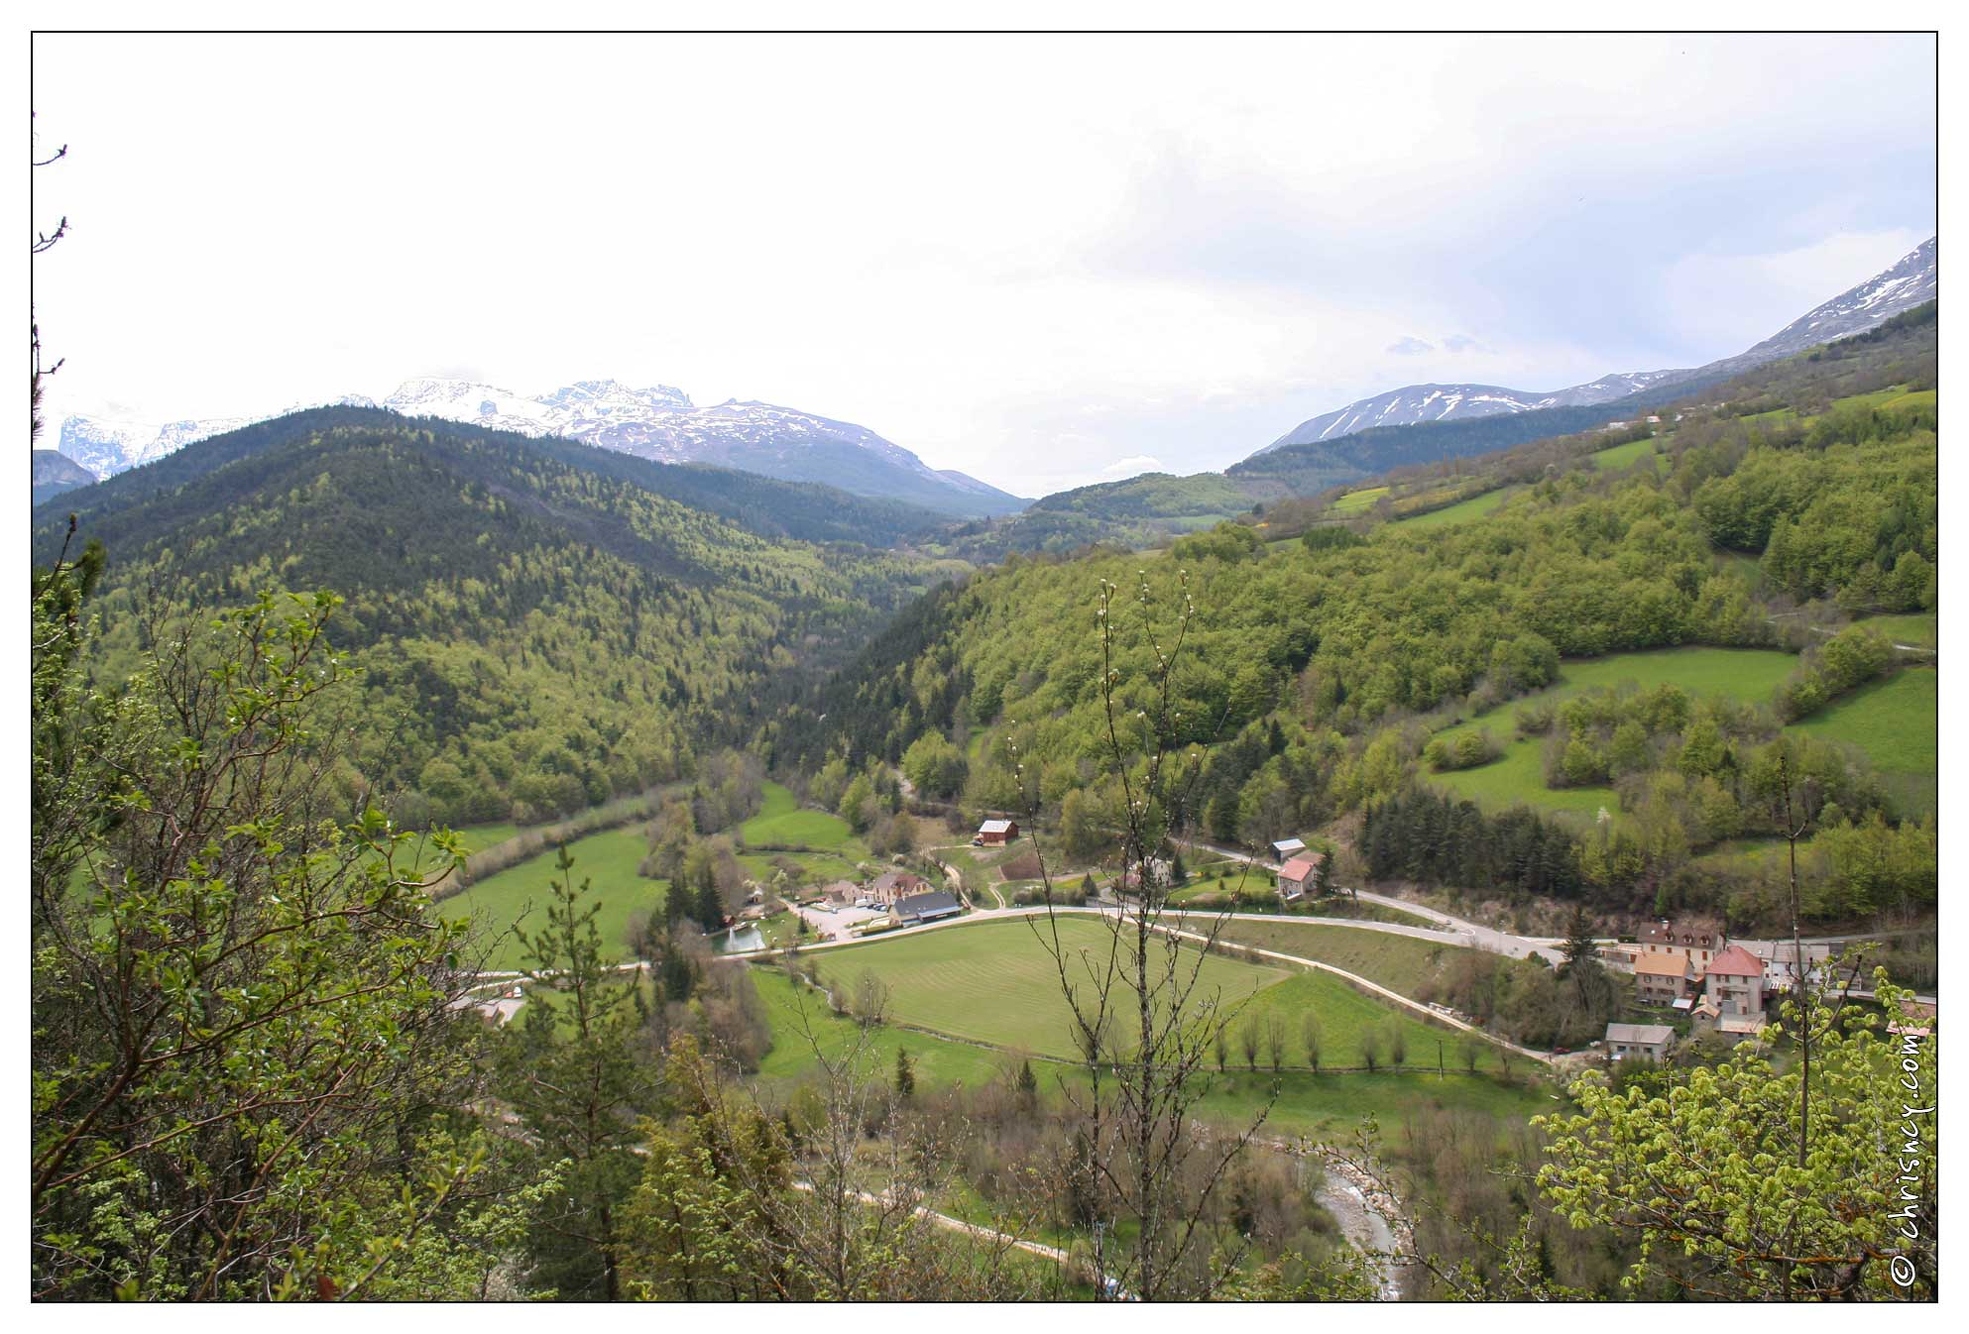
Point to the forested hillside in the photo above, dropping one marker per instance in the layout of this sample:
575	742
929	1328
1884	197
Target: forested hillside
1316	670
534	633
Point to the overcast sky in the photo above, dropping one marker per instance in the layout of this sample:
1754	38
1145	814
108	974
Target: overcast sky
1042	260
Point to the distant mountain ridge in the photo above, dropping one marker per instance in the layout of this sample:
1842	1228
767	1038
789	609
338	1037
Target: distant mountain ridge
659	423
1907	284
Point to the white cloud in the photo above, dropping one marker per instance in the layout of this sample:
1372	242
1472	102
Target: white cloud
962	243
1407	346
1130	467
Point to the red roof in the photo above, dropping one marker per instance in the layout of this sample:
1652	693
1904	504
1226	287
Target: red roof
1299	868
1737	961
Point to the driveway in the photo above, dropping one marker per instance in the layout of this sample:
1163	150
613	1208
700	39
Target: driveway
835	924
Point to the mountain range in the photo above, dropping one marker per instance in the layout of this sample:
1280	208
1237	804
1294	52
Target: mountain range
659	423
1909	283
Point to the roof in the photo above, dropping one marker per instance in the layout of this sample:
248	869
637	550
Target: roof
1641	1034
1286	845
1737	961
1665	965
1300	867
1690	934
995	827
894	880
933	904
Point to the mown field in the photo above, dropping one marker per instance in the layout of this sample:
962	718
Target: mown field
1476	507
515	896
1357	502
994	983
1625	456
1327	1105
1400	963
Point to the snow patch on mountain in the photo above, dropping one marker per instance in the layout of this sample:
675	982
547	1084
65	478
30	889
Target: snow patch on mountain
658	422
1909	283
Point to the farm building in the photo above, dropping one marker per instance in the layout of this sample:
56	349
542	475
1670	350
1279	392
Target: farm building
994	833
890	886
1299	875
925	908
1628	1041
1287	848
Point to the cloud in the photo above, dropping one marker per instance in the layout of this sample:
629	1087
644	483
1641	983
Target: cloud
1133	464
1463	343
1410	346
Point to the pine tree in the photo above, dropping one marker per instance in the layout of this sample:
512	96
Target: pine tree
905	1075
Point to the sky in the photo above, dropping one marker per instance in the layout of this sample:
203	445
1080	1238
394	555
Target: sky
1042	260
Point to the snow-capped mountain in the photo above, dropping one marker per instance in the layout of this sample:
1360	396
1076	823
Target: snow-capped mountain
1459	402
107	447
658	422
1909	283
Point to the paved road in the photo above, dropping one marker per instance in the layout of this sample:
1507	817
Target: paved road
1470	933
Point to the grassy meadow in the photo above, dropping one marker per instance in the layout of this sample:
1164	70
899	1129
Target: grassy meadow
516	895
1894	722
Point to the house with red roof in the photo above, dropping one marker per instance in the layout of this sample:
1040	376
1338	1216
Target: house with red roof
1299	875
1735	988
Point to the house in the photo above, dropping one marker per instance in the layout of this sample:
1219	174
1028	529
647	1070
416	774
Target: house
1639	1041
1160	873
842	892
1299	875
1735	987
1697	941
890	886
996	833
1780	962
1662	979
924	908
1287	848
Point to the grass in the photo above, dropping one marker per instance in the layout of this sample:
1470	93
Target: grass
1357	502
782	822
1399	963
1327	1105
1476	507
995	983
1518	776
1347	1016
1894	722
1919	630
479	837
1625	456
516	895
939	1061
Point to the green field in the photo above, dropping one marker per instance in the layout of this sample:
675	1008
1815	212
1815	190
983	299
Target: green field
1346	1016
1624	456
1894	722
1357	502
939	1061
479	837
1399	963
606	860
782	821
994	982
1519	776
1476	507
1918	630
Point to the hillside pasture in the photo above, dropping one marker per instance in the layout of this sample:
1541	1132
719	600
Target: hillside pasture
1476	507
1518	776
1894	721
